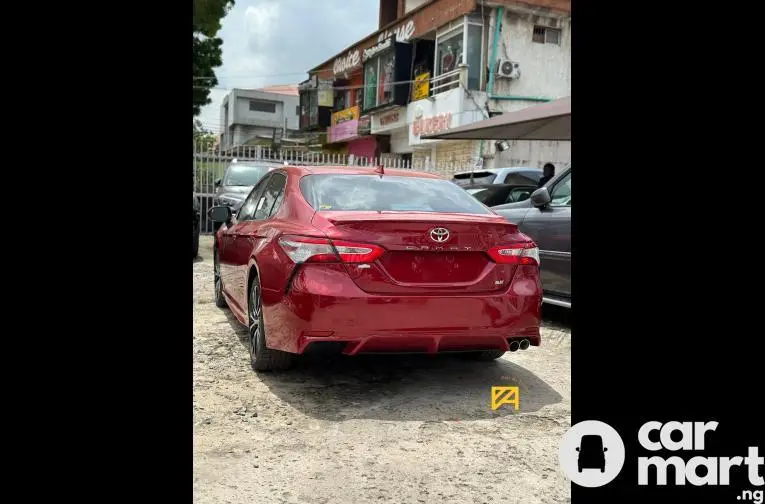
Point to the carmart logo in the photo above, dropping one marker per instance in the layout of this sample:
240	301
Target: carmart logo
592	455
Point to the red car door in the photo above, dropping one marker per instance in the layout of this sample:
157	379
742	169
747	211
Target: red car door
249	237
231	245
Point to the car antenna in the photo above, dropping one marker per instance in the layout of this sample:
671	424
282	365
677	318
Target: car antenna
381	170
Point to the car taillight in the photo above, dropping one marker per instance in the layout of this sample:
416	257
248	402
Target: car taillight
515	253
319	250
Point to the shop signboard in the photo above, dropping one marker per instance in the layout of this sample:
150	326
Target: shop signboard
388	120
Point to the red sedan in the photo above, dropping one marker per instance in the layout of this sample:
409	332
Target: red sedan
374	260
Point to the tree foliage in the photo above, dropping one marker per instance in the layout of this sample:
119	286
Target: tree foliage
204	139
207	47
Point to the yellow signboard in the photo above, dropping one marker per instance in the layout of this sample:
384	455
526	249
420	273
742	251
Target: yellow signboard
348	114
421	88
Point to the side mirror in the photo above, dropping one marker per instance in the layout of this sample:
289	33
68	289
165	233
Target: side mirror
540	198
605	449
220	214
577	448
217	182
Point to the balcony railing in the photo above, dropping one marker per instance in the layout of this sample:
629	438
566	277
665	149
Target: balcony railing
445	82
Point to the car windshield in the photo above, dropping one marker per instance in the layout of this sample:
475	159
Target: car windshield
387	193
244	175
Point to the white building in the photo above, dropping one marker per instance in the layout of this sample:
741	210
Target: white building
247	115
531	64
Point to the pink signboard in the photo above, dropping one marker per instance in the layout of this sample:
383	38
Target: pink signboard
344	130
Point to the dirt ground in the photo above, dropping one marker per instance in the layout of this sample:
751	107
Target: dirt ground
372	429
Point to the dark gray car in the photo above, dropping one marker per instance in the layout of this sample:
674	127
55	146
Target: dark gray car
546	218
238	180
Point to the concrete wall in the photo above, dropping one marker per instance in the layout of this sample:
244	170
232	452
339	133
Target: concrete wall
545	68
545	73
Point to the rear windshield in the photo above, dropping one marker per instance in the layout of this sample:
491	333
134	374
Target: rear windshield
244	175
479	177
387	193
530	177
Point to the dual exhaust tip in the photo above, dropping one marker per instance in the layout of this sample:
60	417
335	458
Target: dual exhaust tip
516	345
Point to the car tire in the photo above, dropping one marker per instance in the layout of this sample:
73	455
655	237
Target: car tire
262	358
195	240
486	355
220	299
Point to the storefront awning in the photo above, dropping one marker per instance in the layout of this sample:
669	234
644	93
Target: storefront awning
550	121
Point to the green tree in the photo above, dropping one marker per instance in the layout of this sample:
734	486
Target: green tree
204	139
207	47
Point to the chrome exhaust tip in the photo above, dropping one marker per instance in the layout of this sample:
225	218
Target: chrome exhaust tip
514	345
524	344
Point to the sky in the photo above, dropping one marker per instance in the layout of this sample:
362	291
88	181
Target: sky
267	42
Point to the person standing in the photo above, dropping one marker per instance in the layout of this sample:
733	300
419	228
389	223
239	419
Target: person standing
548	171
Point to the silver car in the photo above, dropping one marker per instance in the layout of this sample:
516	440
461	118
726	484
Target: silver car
517	175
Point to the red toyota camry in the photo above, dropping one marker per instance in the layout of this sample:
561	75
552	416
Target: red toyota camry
374	260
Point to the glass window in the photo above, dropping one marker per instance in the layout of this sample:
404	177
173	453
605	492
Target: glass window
390	193
278	203
270	195
473	56
370	84
479	177
561	193
379	78
518	194
387	78
523	178
247	210
449	52
263	106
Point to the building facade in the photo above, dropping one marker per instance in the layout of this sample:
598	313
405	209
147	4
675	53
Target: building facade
438	64
258	116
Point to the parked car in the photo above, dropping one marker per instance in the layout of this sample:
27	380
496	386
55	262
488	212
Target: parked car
518	175
499	194
546	218
238	180
196	216
399	261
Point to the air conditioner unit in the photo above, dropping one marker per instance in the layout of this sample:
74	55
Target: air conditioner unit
508	69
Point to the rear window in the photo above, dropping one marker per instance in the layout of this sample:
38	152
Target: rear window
530	177
479	177
387	193
244	175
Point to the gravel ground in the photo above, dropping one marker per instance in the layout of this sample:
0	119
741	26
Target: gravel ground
372	429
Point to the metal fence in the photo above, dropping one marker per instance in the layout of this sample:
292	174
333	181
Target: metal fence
210	165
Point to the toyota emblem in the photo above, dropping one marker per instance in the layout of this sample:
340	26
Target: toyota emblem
439	234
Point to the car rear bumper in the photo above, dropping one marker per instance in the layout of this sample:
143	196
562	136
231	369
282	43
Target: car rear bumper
324	305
